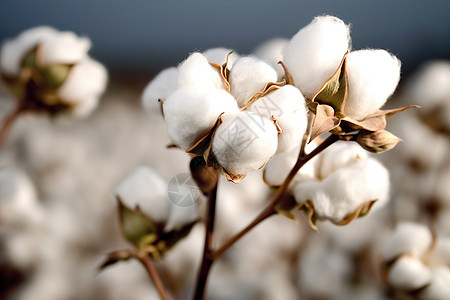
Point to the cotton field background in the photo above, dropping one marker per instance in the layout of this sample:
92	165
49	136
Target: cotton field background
60	174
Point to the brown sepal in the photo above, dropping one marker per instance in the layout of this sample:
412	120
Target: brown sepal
324	120
204	142
287	76
377	141
285	205
204	176
308	207
114	257
360	211
224	71
270	87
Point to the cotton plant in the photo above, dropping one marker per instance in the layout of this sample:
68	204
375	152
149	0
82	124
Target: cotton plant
50	71
417	262
236	114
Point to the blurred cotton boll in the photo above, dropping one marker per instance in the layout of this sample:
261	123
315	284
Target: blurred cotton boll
271	51
161	86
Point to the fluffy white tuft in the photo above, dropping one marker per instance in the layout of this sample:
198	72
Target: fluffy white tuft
248	76
373	76
439	289
160	87
315	52
409	273
271	51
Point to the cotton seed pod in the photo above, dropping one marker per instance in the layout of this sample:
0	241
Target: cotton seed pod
220	55
83	86
146	189
439	289
378	141
245	142
190	113
408	237
373	76
339	155
409	273
339	195
160	87
287	106
13	51
196	72
271	51
248	76
314	53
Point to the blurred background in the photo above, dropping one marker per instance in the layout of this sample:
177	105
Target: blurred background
57	177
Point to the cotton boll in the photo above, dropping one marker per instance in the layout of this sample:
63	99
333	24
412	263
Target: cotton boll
271	51
219	55
409	273
373	76
439	289
411	238
160	87
63	48
189	113
245	142
315	52
338	155
13	51
196	72
293	127
340	194
180	216
248	76
146	189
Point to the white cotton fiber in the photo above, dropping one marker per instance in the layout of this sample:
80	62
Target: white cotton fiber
180	216
409	273
245	142
315	52
248	76
13	51
196	72
271	51
439	289
146	189
219	55
160	87
373	76
189	113
408	237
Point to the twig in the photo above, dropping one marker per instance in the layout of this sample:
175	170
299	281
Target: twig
207	259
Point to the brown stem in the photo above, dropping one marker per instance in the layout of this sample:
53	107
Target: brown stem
8	122
151	270
270	209
207	259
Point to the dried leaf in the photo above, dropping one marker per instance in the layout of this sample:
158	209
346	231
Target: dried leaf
378	141
360	211
169	239
224	72
287	76
270	87
235	178
324	121
114	257
334	91
205	177
199	147
277	125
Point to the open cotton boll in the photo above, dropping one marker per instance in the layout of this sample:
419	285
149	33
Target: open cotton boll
340	194
315	52
271	51
219	55
86	80
146	189
409	273
245	142
63	48
196	72
180	216
13	51
439	289
408	237
373	76
293	127
248	76
190	113
160	87
339	155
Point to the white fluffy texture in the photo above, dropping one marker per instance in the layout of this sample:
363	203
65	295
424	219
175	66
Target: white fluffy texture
346	189
408	237
272	52
373	76
248	76
245	142
160	87
18	198
409	273
430	86
196	72
338	155
278	168
439	289
189	113
84	85
13	51
180	216
146	189
315	52
287	106
63	48
219	55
